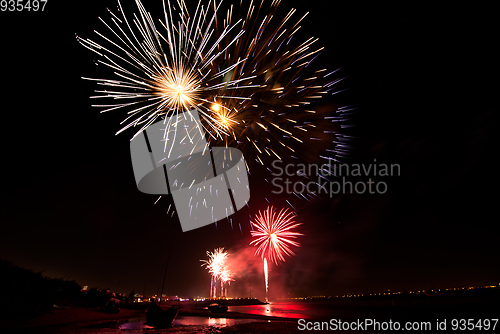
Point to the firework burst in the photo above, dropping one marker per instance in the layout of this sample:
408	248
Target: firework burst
274	234
241	70
163	73
277	116
273	237
217	267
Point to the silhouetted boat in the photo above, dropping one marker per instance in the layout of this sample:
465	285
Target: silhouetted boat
159	318
217	308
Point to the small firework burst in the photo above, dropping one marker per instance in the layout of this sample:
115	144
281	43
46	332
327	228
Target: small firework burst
217	267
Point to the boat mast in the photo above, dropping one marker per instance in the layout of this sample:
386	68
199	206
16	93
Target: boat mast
166	267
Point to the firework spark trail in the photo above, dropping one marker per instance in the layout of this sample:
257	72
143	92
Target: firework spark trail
274	234
225	277
266	275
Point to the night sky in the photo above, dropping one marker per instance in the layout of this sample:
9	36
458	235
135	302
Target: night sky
425	81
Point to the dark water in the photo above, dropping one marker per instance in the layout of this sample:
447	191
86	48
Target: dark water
428	309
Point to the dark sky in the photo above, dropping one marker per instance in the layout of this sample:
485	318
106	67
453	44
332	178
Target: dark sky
425	83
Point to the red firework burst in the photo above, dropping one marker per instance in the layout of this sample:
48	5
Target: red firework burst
273	234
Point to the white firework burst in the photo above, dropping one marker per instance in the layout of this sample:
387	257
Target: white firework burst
170	71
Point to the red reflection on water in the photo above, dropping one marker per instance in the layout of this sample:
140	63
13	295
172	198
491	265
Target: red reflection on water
277	309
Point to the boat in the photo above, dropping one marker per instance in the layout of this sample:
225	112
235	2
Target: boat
159	318
217	308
